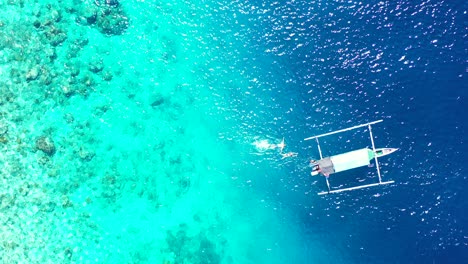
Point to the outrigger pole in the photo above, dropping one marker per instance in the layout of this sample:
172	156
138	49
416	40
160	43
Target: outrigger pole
356	187
373	149
343	130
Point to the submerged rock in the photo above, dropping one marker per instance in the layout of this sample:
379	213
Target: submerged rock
57	39
90	14
107	16
157	101
3	128
85	154
67	90
112	21
7	200
111	3
46	145
88	81
55	35
56	15
32	74
107	75
37	24
96	65
74	70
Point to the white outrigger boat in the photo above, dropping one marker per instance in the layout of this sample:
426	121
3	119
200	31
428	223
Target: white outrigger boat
349	160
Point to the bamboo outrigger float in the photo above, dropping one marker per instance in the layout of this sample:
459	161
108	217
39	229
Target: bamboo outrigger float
349	160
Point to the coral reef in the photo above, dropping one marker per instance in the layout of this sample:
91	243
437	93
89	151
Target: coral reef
3	128
112	21
46	145
196	249
73	138
110	3
32	74
107	16
158	100
96	65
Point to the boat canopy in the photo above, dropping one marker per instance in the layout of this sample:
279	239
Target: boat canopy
351	160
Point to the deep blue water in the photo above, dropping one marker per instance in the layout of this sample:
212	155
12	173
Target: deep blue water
326	65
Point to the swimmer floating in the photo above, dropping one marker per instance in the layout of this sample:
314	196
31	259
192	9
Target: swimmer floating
264	145
287	154
349	160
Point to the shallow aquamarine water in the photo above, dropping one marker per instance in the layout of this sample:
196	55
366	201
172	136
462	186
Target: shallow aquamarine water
146	167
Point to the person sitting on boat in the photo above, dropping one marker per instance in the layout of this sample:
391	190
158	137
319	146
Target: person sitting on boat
315	167
316	170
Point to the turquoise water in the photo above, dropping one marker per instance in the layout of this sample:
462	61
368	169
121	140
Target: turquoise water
146	131
149	165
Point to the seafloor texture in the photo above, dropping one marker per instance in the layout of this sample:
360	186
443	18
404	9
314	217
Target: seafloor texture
112	152
146	131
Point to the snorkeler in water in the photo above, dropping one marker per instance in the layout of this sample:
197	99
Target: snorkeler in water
288	155
281	145
263	146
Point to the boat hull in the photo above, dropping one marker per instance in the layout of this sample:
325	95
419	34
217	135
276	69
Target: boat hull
380	152
350	160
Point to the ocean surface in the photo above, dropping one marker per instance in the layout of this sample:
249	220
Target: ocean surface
147	131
